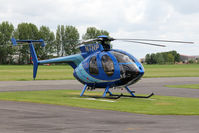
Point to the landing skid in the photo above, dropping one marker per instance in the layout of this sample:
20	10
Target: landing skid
121	95
132	95
106	97
113	96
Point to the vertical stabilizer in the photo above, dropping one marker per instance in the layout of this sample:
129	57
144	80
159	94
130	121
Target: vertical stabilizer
34	59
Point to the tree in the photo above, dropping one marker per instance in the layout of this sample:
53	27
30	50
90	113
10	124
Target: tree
62	40
71	39
162	58
93	32
153	59
170	58
176	56
159	58
6	52
191	61
148	59
67	39
49	38
26	31
104	32
58	40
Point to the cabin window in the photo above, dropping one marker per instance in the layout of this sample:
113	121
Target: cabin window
107	65
122	58
93	69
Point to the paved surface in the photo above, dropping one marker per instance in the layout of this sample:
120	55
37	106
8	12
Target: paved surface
146	86
20	117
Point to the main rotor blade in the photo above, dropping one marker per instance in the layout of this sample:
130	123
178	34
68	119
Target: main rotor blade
88	41
146	43
157	40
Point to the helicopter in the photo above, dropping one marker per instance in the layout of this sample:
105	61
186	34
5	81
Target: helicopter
98	65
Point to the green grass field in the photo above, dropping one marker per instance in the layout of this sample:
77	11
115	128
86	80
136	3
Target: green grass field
25	72
156	105
159	105
61	72
190	86
183	70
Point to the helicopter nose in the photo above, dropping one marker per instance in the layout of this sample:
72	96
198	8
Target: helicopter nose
140	69
130	73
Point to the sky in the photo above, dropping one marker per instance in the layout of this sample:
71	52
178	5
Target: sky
148	19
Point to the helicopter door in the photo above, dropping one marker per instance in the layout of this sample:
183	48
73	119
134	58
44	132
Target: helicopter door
93	69
107	64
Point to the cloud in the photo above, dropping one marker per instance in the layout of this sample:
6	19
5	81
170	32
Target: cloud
155	19
184	6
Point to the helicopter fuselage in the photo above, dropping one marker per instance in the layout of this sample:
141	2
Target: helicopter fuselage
109	68
99	66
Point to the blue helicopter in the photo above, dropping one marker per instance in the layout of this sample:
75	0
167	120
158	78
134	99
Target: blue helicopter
99	66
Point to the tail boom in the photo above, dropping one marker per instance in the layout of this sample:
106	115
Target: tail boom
73	60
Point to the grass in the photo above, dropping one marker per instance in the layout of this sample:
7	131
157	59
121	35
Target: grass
183	70
156	105
190	86
64	72
24	72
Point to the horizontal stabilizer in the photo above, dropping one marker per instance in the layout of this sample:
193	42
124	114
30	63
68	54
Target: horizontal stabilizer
16	42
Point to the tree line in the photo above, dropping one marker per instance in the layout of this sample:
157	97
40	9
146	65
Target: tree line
170	57
62	43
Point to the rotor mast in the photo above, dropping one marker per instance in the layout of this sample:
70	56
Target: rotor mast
105	42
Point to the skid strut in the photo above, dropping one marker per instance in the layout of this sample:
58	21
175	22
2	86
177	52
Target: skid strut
85	87
107	91
129	91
